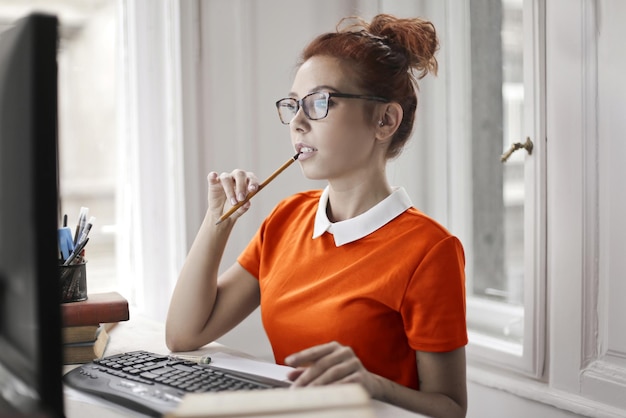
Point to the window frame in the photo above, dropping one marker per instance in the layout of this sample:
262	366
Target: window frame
529	357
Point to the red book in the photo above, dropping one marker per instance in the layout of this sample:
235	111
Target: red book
99	308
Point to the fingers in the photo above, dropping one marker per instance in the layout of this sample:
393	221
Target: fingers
295	373
237	185
325	364
311	355
230	187
216	196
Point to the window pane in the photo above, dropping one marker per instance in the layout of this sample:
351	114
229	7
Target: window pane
497	280
87	121
513	169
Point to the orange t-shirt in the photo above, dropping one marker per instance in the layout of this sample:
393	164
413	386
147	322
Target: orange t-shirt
399	289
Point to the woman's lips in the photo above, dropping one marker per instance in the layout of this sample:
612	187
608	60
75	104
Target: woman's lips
305	152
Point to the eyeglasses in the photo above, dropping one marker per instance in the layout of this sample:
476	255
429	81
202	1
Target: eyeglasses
315	105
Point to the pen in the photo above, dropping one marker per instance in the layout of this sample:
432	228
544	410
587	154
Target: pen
82	218
66	245
262	185
195	359
76	252
85	233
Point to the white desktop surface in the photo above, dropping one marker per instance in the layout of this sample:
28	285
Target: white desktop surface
140	333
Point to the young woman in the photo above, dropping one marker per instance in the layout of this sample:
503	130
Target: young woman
354	283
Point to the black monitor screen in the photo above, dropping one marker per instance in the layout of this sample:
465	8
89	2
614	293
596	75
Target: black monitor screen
30	321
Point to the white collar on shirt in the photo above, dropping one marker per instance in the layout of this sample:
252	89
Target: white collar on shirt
360	226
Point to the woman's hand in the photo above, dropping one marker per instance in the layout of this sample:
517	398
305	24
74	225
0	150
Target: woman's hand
327	364
443	390
230	187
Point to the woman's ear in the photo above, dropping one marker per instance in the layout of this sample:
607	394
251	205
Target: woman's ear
390	117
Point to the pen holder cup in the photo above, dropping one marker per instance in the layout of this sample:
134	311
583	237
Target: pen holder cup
73	282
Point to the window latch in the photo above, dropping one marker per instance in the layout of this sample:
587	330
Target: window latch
528	146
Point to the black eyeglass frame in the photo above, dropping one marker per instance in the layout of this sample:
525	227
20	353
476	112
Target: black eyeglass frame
327	96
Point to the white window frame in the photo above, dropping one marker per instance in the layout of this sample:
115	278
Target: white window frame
527	358
586	124
585	367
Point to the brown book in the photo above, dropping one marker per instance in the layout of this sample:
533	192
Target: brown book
98	308
80	334
78	353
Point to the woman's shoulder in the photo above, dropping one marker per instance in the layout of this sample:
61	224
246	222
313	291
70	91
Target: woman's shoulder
426	234
418	222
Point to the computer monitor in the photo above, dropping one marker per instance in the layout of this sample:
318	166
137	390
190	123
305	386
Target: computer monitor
30	317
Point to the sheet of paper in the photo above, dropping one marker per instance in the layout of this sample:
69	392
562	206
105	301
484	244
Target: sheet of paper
261	368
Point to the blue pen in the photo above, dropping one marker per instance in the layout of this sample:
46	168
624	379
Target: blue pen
66	243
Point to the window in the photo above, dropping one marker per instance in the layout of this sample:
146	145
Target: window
505	251
87	121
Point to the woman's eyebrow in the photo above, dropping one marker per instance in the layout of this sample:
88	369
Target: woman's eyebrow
314	89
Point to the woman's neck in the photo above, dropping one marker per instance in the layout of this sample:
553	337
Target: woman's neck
346	202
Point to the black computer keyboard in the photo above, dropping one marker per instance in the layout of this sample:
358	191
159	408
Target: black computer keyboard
154	384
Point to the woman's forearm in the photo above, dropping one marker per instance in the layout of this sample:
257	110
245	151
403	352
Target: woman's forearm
195	292
430	404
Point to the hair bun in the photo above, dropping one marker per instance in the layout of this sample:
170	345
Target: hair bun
416	36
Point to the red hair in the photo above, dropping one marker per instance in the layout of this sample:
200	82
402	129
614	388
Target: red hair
388	56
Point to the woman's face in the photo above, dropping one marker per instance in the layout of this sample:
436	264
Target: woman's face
342	145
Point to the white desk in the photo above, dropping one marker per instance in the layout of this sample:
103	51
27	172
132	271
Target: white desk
143	334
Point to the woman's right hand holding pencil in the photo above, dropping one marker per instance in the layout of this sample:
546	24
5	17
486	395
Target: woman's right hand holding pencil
231	188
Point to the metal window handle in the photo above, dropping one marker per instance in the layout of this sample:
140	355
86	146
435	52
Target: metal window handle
528	146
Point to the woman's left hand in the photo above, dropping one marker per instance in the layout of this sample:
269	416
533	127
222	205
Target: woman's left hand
328	364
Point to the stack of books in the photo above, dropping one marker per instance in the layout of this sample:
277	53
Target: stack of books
86	325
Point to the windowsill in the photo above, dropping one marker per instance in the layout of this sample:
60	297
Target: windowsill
537	391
